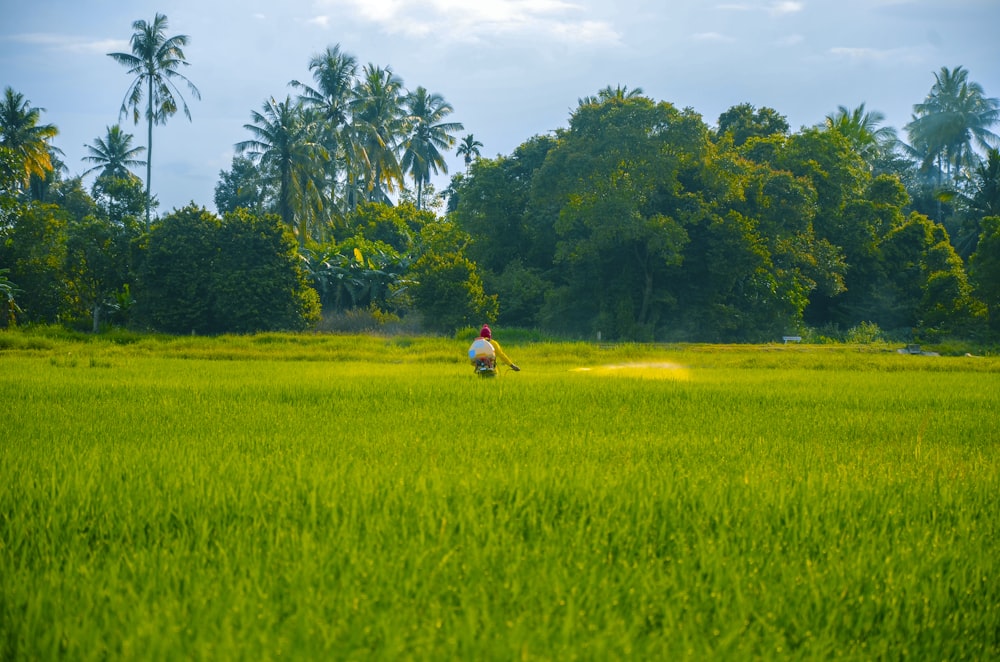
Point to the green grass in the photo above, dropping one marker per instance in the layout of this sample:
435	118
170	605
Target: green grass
309	497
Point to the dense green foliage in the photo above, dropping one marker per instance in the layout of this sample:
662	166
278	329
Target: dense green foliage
188	284
636	221
639	222
986	268
341	498
34	250
450	293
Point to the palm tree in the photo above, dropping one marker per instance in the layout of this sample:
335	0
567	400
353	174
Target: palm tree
618	93
287	148
24	138
427	134
985	198
335	73
955	116
114	155
40	187
469	149
154	61
861	128
377	126
981	199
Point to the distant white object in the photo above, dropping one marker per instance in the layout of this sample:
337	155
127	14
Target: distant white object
789	339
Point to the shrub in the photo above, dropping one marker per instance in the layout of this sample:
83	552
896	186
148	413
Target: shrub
239	274
864	333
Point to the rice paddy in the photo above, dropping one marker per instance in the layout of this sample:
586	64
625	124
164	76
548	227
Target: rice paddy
328	497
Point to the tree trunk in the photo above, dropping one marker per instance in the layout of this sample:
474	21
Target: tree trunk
647	299
149	147
647	287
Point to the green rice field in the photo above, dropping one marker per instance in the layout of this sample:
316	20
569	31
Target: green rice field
363	498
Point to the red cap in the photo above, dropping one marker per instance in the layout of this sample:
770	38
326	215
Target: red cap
485	332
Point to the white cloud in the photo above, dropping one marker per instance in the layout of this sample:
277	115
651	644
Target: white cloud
712	36
585	31
786	7
378	11
778	8
864	54
71	44
463	20
319	21
791	40
856	53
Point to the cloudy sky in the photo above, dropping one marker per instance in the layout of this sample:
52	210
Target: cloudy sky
511	69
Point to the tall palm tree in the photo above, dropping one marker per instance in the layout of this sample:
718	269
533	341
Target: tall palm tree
955	117
377	126
286	146
861	127
426	136
154	62
335	74
114	155
469	149
24	138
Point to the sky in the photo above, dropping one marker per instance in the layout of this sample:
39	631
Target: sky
511	69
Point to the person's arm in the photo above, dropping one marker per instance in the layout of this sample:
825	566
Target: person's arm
501	355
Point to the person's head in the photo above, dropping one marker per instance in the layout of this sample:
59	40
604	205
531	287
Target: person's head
485	332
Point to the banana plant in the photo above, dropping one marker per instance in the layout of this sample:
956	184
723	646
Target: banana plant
8	304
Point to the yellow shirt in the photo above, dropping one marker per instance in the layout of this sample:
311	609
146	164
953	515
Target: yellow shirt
500	354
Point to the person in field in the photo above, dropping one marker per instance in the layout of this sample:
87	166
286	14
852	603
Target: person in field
486	350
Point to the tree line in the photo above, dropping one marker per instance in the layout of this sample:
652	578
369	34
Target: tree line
636	221
640	221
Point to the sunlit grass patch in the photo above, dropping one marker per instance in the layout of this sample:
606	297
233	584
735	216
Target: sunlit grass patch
640	370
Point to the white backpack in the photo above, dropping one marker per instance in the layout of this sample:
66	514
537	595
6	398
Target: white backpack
481	349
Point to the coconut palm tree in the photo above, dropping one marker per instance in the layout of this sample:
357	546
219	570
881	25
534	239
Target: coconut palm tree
377	128
154	61
979	200
427	135
861	127
114	155
24	138
335	74
469	149
955	118
618	93
287	148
